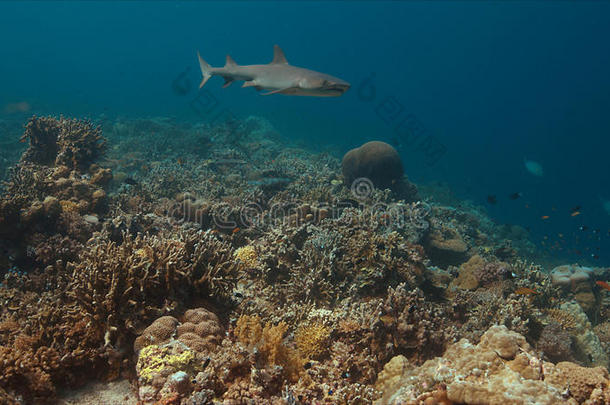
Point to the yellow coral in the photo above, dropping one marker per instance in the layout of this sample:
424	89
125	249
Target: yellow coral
154	359
247	256
151	362
312	339
69	206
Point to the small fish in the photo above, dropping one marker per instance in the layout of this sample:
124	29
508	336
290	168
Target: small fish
492	199
575	211
606	205
180	161
583	228
603	284
594	256
235	230
20	107
515	196
525	291
544	217
130	181
534	168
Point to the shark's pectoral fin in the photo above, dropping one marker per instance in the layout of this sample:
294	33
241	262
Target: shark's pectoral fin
228	81
278	91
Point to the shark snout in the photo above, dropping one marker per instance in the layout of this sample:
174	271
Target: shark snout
337	86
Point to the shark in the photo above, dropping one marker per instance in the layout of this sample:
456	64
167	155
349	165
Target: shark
277	77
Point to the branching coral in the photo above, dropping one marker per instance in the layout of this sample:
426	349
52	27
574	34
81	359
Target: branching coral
68	142
312	340
269	341
130	284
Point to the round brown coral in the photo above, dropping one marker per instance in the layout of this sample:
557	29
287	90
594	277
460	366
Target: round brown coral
201	331
158	332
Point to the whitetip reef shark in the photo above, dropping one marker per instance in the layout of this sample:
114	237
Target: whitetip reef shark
278	77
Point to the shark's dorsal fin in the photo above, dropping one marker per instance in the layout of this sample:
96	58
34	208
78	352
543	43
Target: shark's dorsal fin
278	56
230	61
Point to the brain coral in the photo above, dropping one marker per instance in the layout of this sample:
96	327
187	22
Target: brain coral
375	160
158	332
568	275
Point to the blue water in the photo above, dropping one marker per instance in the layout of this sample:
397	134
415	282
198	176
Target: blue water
487	83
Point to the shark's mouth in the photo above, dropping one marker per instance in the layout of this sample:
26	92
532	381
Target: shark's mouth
342	88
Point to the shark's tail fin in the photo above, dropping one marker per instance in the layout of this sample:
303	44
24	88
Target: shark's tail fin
205	70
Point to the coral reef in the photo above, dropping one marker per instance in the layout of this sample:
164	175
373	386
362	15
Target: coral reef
502	368
224	264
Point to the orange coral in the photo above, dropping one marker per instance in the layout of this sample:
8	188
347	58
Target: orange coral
269	340
312	340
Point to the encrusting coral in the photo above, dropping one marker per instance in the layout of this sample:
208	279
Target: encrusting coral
501	369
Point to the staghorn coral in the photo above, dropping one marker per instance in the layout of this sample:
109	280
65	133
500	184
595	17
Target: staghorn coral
130	284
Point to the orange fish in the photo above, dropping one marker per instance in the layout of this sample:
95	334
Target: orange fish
603	284
575	213
545	217
236	230
525	291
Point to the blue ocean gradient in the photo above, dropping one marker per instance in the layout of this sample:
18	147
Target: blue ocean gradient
492	82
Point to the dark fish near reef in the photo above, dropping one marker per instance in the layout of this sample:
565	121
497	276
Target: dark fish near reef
515	196
492	199
278	77
130	181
